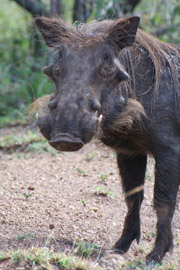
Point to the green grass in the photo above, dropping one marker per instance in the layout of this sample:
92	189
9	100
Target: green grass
85	249
103	176
30	141
41	146
9	141
140	265
16	117
45	259
27	235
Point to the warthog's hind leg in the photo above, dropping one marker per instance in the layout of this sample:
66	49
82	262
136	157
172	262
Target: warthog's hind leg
165	191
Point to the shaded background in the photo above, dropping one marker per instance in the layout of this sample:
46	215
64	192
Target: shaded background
23	54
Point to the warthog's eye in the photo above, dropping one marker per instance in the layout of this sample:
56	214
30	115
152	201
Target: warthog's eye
106	56
60	55
107	67
57	68
57	61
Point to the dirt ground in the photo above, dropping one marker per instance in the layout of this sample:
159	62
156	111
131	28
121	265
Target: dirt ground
50	200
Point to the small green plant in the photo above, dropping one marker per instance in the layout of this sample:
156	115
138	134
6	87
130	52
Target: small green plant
80	171
65	263
150	235
178	242
137	265
83	202
148	177
91	155
16	256
103	176
3	256
27	194
101	191
85	249
27	235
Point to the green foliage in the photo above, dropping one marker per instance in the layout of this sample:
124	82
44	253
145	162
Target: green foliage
85	249
161	18
21	76
105	9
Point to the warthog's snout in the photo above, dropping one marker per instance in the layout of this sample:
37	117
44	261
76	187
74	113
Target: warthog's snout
66	142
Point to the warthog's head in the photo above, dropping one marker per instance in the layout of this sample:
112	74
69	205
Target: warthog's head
85	67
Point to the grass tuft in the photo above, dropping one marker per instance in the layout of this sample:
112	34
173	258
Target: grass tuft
105	192
45	259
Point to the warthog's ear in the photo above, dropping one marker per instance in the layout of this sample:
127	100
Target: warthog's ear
52	30
123	31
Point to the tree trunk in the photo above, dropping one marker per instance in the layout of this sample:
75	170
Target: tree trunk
128	6
117	9
55	7
35	7
125	7
82	10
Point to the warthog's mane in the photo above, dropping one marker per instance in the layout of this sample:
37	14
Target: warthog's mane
162	54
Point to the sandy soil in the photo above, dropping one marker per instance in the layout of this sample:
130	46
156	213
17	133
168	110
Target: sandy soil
48	200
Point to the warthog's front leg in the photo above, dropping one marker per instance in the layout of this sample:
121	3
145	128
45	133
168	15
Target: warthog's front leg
132	171
166	186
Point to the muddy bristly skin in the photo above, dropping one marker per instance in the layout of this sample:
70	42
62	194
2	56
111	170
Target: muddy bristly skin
111	71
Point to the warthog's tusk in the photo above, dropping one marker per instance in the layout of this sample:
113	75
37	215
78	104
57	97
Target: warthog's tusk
100	119
37	115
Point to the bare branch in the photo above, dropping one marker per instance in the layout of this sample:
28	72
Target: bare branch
55	7
128	6
35	7
82	10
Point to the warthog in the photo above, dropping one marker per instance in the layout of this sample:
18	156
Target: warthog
130	79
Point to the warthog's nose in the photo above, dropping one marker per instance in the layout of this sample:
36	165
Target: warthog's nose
66	142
